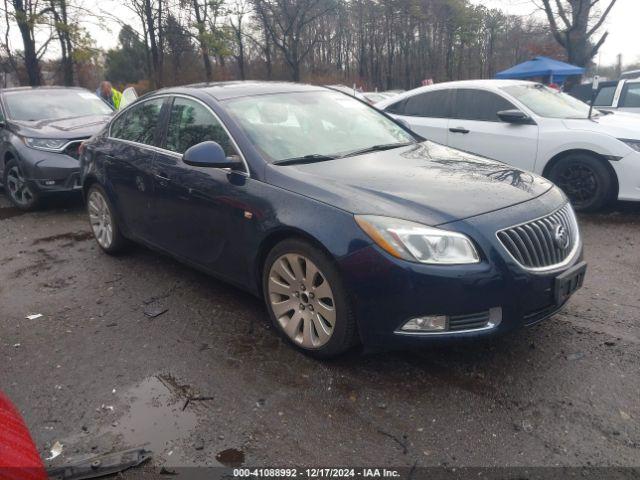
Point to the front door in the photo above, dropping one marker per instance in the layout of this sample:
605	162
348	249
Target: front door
198	213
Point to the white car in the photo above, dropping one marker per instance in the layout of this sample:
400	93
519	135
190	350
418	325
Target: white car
525	124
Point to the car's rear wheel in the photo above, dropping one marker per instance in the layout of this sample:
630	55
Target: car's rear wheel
103	221
584	179
306	299
17	189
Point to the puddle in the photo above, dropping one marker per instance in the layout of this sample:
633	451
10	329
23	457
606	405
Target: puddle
156	419
10	212
73	236
230	457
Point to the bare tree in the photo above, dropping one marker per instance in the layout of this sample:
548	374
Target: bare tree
575	23
238	13
289	24
27	14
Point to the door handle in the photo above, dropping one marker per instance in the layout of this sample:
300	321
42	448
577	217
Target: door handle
459	130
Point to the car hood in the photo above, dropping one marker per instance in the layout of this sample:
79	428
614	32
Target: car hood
74	127
426	182
616	124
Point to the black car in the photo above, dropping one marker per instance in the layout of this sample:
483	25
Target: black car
352	228
41	130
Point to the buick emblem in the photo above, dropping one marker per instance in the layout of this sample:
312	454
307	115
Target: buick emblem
561	237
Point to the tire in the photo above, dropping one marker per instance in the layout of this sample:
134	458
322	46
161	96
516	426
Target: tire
311	294
17	190
585	180
103	222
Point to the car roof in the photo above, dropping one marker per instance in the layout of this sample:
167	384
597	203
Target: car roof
44	87
482	84
235	89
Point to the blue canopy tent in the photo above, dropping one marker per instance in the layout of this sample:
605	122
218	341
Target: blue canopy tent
542	67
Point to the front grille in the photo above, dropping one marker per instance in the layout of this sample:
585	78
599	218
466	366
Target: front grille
539	244
468	322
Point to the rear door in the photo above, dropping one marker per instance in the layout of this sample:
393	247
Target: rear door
426	113
476	128
630	97
133	137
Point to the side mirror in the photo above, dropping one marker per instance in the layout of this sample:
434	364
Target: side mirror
515	116
208	154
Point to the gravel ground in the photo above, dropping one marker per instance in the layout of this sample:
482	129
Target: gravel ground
208	382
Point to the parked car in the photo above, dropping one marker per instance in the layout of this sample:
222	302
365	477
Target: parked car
41	130
352	91
531	127
617	95
351	227
375	97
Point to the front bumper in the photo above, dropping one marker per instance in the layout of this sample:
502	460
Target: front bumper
628	172
386	292
49	172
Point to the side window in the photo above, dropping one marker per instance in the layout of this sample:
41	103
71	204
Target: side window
191	123
397	108
429	104
479	105
138	124
604	98
631	96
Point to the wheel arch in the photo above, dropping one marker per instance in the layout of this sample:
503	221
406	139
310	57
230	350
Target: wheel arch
86	184
601	158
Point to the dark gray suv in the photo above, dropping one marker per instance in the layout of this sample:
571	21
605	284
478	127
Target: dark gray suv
41	130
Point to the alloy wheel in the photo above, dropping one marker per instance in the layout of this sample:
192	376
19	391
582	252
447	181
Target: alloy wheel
579	182
302	300
18	188
100	218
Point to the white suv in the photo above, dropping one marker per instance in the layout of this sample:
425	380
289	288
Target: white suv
525	124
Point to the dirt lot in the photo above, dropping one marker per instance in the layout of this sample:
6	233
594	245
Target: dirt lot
96	374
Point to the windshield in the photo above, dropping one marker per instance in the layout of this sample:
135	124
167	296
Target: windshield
293	125
36	105
548	103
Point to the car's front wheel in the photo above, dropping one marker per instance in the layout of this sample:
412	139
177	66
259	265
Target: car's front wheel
17	188
584	179
103	221
306	299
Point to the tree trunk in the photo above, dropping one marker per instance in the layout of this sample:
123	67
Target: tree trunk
31	62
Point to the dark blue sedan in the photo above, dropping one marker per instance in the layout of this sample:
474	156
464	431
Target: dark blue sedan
352	228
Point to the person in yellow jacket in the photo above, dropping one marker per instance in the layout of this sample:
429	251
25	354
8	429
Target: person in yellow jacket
109	94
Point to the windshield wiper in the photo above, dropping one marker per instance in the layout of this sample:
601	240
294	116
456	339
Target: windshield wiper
311	158
376	148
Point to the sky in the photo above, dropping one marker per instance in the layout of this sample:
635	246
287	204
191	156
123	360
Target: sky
622	24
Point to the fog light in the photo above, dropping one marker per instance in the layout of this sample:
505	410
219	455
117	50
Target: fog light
433	323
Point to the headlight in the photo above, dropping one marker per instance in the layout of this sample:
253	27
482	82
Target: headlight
418	243
49	144
635	144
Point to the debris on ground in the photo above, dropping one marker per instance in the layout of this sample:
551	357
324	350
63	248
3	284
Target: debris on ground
199	444
33	316
100	466
402	444
153	311
231	457
55	450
